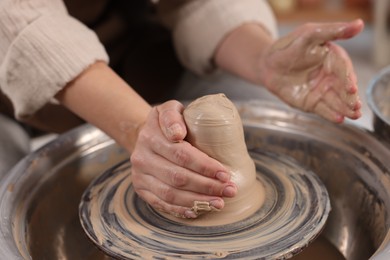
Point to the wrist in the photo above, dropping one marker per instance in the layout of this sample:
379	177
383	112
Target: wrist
102	98
128	134
242	52
264	72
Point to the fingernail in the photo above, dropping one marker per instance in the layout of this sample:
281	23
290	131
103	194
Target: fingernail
223	176
190	214
174	130
229	191
218	204
339	118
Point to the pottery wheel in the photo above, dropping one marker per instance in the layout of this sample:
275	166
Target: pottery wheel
125	227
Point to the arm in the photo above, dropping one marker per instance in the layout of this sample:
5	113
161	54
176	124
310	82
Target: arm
103	99
45	54
239	36
42	48
304	69
199	26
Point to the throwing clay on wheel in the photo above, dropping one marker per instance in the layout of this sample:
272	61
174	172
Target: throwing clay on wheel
280	207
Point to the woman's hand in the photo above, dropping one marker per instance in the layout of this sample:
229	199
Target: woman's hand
304	69
308	71
169	173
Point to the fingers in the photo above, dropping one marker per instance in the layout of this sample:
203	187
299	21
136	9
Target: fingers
352	29
189	157
335	103
326	101
333	92
171	120
173	196
338	62
323	101
345	87
309	44
182	178
178	211
173	189
151	140
329	114
318	34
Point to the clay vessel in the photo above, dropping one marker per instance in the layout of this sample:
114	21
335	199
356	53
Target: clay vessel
214	126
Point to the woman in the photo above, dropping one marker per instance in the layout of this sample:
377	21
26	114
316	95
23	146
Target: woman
48	57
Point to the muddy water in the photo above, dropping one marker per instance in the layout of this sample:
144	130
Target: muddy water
320	249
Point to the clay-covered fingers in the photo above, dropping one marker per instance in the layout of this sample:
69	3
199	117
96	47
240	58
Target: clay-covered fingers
343	96
333	88
171	120
171	196
331	108
151	140
339	63
325	100
182	178
175	208
173	189
342	108
313	38
320	33
187	156
182	166
171	175
328	113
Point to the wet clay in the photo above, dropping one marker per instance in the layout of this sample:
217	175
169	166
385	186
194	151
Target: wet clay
320	249
124	226
214	126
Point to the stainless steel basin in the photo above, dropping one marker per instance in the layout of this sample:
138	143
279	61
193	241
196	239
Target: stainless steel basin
40	196
378	99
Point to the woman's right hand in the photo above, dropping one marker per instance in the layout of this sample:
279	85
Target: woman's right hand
169	173
307	70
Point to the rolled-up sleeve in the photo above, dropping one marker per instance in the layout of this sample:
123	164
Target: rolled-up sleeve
198	26
42	49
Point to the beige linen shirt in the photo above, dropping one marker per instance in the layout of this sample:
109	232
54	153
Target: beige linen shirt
42	47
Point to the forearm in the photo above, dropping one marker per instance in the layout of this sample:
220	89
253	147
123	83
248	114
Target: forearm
240	52
103	99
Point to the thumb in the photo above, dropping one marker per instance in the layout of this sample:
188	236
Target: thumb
322	33
171	120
